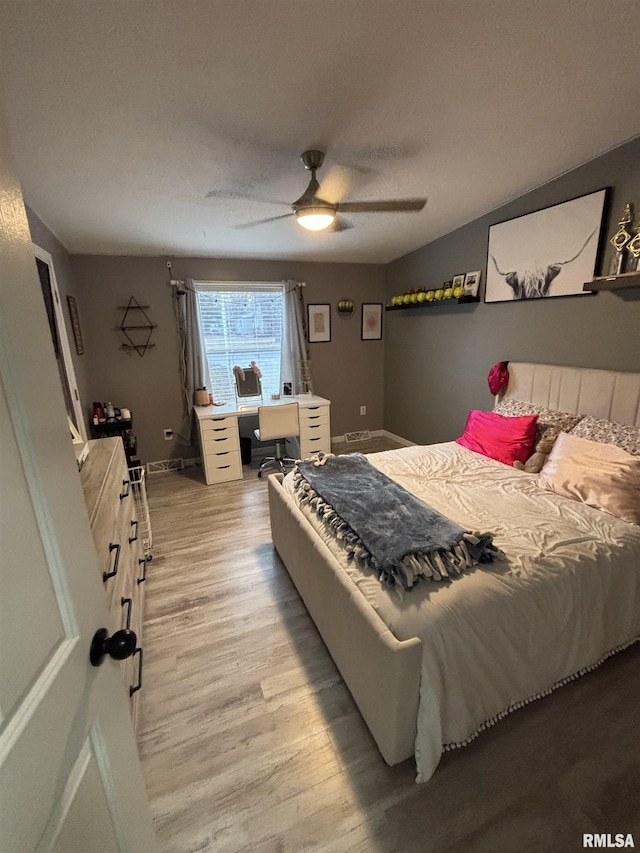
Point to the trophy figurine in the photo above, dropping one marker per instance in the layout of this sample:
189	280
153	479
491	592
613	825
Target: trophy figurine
633	247
620	240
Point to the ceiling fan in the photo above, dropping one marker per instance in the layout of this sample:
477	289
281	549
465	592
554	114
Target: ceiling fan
316	213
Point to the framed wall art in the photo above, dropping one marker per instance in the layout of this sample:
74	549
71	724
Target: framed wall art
371	321
472	283
319	323
550	252
75	324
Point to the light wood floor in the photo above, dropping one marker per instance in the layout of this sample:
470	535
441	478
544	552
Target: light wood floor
251	742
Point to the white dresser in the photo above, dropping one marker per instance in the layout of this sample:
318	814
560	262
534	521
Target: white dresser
116	533
220	437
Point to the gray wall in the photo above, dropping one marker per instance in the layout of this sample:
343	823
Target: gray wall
437	359
348	371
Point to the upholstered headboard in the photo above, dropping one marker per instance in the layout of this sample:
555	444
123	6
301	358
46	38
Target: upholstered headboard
583	391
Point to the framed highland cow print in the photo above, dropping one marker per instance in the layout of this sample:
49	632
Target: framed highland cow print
550	252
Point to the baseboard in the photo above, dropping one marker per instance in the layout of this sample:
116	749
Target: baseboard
161	466
376	433
397	438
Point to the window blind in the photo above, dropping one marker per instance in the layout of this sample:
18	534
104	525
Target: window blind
241	323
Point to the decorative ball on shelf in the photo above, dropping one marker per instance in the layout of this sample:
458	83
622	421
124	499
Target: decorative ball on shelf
406	299
439	294
458	291
422	296
414	298
430	295
448	293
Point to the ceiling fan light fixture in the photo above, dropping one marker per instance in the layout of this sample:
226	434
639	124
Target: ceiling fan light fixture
315	218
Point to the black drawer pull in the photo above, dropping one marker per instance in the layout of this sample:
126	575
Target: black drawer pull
222	467
134	538
134	688
126	487
113	546
143	562
129	602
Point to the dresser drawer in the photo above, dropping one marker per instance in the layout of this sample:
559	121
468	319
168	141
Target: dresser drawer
112	512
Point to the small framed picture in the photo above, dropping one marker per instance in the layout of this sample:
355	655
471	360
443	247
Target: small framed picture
458	280
472	283
287	389
371	321
319	323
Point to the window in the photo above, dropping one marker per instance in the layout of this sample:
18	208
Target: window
241	323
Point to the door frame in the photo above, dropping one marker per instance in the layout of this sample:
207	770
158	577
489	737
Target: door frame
67	359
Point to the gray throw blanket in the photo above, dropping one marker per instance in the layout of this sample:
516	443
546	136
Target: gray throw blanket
383	526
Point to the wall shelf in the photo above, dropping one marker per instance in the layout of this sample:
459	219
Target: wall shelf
141	330
461	300
613	282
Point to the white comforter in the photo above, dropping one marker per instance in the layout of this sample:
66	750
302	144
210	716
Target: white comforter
567	594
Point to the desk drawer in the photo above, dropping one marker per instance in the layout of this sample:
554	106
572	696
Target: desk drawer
220	467
220	442
320	441
312	430
312	413
213	424
314	420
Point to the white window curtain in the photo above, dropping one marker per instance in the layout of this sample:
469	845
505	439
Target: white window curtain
194	370
296	362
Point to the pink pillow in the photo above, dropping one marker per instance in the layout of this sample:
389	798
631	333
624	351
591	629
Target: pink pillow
601	475
505	439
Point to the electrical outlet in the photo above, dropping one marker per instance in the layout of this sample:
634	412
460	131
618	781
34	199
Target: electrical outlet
363	410
168	434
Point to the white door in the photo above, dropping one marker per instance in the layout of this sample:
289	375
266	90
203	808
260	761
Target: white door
70	779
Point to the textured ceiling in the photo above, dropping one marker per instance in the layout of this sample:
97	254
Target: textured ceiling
124	115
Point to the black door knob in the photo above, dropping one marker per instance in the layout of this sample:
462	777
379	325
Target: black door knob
119	646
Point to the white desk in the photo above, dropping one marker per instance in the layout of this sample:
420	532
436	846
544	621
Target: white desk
220	438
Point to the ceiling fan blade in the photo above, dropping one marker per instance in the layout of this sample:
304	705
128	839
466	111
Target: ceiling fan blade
234	195
340	224
337	183
399	206
262	221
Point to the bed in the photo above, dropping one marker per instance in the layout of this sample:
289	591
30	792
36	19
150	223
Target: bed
431	669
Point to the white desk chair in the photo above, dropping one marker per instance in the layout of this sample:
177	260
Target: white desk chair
279	422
